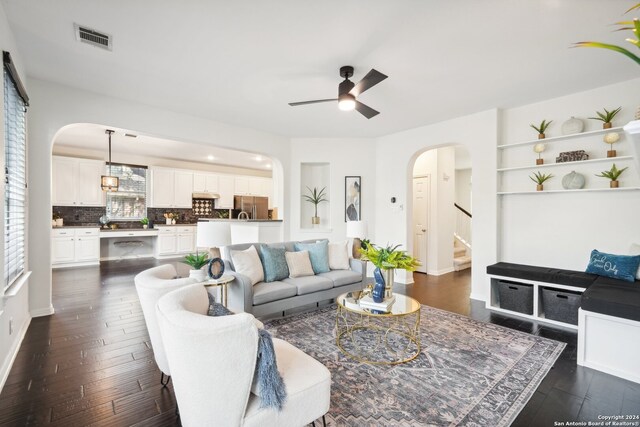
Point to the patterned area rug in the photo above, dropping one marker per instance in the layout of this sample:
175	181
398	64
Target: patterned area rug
468	373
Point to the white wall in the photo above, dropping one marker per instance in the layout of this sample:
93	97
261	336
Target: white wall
55	106
14	305
561	229
395	159
346	157
463	188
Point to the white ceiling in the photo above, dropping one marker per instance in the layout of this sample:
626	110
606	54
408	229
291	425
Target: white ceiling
83	137
242	61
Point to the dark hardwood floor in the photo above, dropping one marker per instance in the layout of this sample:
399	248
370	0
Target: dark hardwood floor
91	362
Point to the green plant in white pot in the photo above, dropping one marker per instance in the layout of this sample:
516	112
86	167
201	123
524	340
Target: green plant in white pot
316	197
196	262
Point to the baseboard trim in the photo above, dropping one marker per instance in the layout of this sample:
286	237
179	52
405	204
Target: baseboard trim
42	312
8	363
478	297
440	272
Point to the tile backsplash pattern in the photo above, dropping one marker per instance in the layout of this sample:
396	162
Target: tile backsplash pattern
83	215
202	207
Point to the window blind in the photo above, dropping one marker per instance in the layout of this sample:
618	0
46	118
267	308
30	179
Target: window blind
15	193
130	201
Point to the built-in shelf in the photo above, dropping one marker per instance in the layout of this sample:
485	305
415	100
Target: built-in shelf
549	165
582	190
562	137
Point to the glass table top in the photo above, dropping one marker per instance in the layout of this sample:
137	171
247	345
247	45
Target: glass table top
402	305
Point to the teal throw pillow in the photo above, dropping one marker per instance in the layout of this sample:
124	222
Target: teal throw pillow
274	263
623	267
318	254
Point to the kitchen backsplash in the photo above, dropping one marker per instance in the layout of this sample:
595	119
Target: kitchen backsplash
91	215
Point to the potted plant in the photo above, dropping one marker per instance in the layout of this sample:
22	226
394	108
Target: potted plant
386	260
611	138
197	261
539	178
613	174
316	197
539	148
541	128
633	26
606	117
145	222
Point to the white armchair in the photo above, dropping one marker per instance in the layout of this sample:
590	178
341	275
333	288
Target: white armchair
151	284
213	360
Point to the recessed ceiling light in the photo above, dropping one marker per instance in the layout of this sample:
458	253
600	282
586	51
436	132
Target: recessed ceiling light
210	157
258	158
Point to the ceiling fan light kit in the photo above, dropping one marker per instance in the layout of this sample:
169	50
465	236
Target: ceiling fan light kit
349	91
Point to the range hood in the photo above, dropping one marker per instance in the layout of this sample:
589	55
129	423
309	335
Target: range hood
209	196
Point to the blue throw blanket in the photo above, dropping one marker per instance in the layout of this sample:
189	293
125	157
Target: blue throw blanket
273	393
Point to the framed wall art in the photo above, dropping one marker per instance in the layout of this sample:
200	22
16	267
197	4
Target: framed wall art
352	201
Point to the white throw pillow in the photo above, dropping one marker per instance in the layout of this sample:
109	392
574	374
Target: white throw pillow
299	264
339	256
248	263
635	250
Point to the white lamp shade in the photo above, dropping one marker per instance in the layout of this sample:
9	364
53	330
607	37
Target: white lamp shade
357	229
213	234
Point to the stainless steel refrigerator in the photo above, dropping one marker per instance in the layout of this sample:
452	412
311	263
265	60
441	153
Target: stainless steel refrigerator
255	207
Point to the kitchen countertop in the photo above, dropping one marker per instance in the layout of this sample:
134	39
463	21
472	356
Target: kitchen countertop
162	224
240	220
76	226
104	230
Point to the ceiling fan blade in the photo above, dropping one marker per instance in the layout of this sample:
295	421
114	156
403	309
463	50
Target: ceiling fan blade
365	110
372	78
293	104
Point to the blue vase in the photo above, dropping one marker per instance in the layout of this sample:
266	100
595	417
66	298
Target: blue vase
378	289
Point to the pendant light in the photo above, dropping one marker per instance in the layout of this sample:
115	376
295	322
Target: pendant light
109	182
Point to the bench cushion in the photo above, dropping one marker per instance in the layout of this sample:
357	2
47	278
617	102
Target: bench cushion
613	297
264	292
310	284
543	274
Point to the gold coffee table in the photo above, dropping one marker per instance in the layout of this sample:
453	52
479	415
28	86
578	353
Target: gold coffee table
222	282
378	338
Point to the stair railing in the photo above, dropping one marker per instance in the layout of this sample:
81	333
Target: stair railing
463	225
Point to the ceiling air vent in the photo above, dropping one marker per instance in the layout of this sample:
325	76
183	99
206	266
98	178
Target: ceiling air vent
93	37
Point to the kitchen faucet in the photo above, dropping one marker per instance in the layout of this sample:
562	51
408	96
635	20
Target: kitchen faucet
240	215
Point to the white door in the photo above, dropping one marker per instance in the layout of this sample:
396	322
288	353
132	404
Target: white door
64	185
225	188
62	250
421	187
88	190
184	189
87	248
163	188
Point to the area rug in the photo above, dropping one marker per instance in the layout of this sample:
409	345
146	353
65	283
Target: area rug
468	373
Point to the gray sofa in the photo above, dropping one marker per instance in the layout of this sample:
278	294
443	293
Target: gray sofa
265	299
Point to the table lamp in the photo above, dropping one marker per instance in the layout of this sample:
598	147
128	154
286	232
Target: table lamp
213	235
357	230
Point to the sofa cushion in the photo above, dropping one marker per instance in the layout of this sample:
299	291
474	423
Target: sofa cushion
342	277
248	263
299	264
339	255
318	253
623	267
274	263
542	274
613	297
310	284
264	292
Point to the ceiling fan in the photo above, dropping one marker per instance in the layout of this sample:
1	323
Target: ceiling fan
349	91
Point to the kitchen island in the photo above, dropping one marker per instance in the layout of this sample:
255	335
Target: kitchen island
253	230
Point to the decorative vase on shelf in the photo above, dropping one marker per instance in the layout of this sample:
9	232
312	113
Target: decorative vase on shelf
541	136
383	287
53	222
145	226
199	275
614	184
168	221
59	222
606	125
539	187
173	221
315	220
573	181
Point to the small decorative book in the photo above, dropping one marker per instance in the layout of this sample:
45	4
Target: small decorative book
572	156
385	305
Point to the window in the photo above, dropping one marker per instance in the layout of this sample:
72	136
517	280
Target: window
15	189
130	201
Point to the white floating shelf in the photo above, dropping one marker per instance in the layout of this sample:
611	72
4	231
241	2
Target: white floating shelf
582	190
549	165
562	137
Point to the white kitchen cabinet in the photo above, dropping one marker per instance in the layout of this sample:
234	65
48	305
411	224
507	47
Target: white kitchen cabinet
71	247
175	240
205	183
241	185
255	186
226	188
171	188
76	182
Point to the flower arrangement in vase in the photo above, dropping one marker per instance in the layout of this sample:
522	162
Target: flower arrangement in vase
170	217
386	260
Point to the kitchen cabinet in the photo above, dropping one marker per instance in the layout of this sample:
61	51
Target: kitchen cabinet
171	188
253	186
175	240
71	247
205	183
76	182
226	187
241	185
